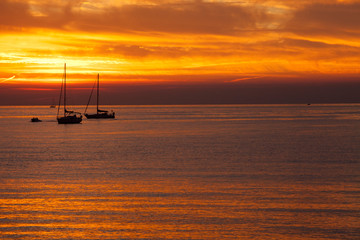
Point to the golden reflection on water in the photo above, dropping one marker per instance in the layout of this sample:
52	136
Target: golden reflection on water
177	211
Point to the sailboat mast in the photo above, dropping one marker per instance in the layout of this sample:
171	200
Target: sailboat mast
64	89
97	98
61	92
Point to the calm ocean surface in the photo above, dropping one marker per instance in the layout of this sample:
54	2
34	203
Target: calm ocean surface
182	172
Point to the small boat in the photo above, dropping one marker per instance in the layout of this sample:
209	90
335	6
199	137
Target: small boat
99	113
35	119
69	117
53	104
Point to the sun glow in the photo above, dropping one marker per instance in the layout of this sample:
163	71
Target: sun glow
152	41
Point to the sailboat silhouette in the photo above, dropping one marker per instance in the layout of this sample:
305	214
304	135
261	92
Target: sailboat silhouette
99	113
69	116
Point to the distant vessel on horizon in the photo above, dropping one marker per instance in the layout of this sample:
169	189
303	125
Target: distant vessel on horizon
99	113
69	117
53	105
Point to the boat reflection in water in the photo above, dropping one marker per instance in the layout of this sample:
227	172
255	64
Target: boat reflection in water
69	116
99	113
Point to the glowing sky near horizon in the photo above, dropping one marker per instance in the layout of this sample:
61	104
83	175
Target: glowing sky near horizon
180	40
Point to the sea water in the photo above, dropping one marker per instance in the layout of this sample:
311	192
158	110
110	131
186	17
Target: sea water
182	172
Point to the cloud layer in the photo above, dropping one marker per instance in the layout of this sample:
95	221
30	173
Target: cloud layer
215	17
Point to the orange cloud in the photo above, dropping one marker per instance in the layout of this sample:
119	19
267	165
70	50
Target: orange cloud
336	20
2	80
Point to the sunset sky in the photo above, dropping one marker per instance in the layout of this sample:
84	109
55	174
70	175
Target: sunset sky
181	51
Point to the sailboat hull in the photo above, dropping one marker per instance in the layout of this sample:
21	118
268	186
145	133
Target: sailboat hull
69	120
100	115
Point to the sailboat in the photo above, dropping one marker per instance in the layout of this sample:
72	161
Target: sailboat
99	113
69	116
